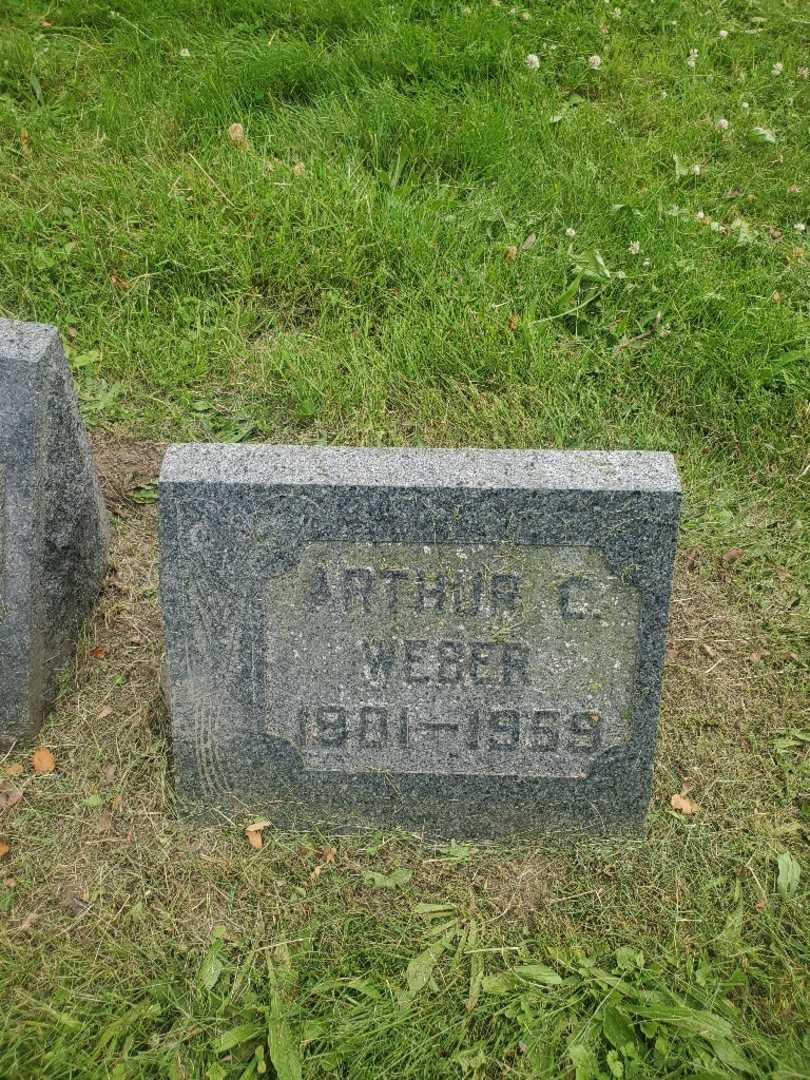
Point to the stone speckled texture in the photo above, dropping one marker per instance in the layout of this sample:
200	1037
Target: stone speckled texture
53	531
464	642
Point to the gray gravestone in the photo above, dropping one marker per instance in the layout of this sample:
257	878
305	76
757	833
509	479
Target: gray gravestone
53	537
464	641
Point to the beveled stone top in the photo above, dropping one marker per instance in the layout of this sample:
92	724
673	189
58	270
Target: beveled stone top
578	470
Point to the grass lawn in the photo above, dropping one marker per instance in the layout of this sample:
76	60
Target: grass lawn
354	222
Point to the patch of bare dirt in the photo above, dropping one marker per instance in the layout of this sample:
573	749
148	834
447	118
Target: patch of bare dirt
125	470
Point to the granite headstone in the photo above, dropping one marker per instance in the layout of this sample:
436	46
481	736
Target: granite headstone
53	532
465	642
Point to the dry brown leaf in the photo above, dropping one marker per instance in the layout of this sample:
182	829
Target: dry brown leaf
43	760
118	281
529	242
511	253
28	922
683	804
108	772
776	296
732	555
236	133
9	795
757	655
316	873
104	712
329	854
16	768
254	833
708	650
514	322
25	142
762	903
4	849
691	559
9	882
98	653
72	332
103	823
299	168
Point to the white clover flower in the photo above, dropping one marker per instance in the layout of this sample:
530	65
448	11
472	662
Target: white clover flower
525	16
570	233
800	226
777	69
723	35
185	54
594	62
532	61
700	216
616	13
634	247
723	124
696	170
745	104
691	60
803	73
717	227
646	263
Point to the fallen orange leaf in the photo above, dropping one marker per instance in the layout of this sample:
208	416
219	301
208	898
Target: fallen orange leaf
43	760
254	833
99	652
14	769
733	554
4	849
683	804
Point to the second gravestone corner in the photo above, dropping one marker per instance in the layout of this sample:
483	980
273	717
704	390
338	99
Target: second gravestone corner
53	527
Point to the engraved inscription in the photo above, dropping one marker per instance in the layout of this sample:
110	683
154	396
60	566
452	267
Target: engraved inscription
488	659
